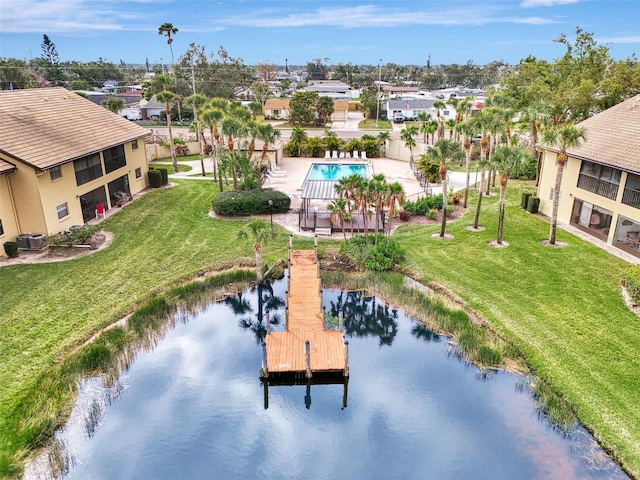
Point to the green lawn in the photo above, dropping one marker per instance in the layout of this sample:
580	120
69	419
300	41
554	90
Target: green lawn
561	306
169	166
370	124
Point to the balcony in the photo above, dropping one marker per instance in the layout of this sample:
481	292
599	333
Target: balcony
631	197
598	186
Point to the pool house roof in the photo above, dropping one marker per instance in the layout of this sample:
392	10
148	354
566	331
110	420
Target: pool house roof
319	190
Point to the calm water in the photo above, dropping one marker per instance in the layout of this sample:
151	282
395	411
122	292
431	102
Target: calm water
335	171
193	408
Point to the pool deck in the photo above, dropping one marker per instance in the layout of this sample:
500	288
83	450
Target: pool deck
292	172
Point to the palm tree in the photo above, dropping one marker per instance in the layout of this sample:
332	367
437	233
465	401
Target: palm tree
451	125
211	117
298	138
114	105
535	116
423	118
431	129
439	104
468	130
339	213
233	129
346	188
482	122
508	161
197	101
377	188
394	199
562	137
268	134
406	135
443	152
383	137
259	232
169	98
168	29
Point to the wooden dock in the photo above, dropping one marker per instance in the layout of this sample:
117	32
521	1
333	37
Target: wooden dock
305	348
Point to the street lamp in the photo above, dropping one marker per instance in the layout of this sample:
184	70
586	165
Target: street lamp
271	212
379	80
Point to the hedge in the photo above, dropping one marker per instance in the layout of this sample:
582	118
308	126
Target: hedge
250	202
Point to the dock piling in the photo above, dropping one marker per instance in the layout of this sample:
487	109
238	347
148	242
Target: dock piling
307	354
346	358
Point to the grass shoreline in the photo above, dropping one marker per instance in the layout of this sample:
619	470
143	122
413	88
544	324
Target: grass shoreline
561	308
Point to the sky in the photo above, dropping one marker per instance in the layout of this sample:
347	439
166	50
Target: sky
343	31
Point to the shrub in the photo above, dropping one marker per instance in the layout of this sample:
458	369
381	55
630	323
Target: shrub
456	197
450	210
632	283
533	204
424	204
155	178
250	202
370	256
432	214
165	175
78	236
11	249
525	199
404	215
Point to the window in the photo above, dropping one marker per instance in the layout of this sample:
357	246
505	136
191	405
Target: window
276	112
63	210
134	145
1	228
87	168
114	158
55	173
138	172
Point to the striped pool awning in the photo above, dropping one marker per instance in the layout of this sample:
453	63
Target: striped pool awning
319	190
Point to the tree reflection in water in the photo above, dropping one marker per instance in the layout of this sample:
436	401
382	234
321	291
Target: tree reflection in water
267	302
365	316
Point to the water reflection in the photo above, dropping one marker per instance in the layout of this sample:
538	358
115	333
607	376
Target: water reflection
193	408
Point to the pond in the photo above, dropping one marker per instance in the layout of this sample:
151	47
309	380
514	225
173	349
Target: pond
194	407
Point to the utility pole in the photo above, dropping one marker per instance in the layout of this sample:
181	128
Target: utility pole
379	81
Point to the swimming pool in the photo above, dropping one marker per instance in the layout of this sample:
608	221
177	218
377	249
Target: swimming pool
336	171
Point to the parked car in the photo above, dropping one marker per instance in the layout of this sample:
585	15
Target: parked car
398	118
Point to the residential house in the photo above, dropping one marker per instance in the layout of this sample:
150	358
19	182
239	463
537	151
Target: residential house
60	156
340	111
600	190
330	88
411	107
276	109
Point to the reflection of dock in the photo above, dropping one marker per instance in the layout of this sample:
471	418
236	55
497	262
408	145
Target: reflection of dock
305	352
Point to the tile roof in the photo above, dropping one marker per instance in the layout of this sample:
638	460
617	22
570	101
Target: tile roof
6	167
272	103
613	137
45	127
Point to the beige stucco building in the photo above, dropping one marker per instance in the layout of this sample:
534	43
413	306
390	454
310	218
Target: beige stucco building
600	190
60	156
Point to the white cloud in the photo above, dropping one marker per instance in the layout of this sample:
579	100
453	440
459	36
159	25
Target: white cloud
620	40
545	3
367	16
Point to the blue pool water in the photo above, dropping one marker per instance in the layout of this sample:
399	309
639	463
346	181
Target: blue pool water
336	171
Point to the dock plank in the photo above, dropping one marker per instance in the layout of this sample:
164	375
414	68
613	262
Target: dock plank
305	322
